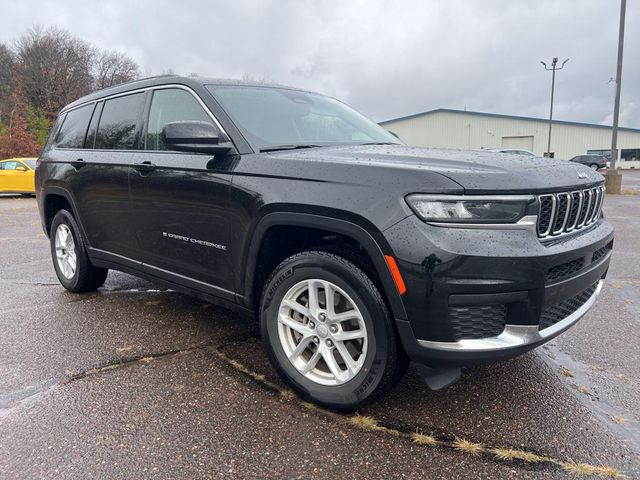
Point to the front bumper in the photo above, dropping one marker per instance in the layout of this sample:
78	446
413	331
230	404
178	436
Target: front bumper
514	336
449	270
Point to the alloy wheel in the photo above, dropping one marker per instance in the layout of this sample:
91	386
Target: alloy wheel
322	332
66	251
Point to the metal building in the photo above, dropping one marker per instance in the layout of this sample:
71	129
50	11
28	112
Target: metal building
446	128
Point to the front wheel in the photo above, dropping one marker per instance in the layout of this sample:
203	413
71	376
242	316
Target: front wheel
328	332
70	260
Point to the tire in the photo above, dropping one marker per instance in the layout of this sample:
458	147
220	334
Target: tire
377	358
84	277
594	166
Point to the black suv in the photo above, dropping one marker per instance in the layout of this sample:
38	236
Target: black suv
357	252
594	161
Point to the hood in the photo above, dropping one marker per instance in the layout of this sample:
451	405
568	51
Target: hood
476	171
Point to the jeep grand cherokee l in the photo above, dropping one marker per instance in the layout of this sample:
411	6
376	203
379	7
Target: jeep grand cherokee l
357	252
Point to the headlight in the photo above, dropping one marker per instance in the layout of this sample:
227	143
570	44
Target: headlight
469	209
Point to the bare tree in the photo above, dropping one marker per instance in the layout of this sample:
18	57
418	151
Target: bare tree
54	68
113	68
7	82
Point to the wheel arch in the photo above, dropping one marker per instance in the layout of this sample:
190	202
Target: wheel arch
55	198
370	240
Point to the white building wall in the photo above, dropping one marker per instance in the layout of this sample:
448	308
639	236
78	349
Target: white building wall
444	129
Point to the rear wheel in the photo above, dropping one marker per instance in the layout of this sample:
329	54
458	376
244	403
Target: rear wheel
594	166
73	267
328	332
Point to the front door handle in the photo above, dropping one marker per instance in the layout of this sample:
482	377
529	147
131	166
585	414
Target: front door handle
144	167
78	163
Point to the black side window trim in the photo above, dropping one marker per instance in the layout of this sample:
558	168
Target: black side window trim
93	123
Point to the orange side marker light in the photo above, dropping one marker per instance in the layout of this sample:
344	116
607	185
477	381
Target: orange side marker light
395	273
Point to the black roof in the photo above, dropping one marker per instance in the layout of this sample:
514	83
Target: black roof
512	117
169	79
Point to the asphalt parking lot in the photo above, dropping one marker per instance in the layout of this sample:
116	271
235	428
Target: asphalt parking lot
137	382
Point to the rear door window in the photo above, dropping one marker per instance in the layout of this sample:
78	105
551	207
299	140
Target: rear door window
74	127
118	127
171	105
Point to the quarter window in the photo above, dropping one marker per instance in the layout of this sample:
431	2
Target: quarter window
74	127
171	105
118	123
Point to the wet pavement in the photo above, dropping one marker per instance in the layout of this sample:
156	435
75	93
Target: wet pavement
136	382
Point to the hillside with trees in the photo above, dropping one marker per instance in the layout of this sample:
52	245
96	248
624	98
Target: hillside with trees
41	72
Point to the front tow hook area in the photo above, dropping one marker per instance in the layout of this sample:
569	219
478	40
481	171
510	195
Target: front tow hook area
438	378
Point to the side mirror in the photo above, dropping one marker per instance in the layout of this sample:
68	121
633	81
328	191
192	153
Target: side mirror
196	137
22	169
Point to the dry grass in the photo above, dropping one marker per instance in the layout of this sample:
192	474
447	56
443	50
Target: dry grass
579	469
584	469
237	365
423	439
466	446
584	390
365	423
308	405
609	472
566	372
512	454
618	420
287	395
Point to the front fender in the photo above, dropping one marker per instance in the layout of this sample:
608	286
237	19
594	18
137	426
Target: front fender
373	242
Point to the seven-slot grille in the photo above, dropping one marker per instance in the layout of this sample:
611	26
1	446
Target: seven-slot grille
568	211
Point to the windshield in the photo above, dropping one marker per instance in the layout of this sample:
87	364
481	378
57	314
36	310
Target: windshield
272	117
31	163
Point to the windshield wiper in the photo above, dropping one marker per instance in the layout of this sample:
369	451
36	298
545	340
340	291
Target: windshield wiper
274	148
381	143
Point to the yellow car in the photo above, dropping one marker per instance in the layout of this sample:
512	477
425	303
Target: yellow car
17	175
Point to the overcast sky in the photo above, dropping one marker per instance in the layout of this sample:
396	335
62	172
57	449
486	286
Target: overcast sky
386	58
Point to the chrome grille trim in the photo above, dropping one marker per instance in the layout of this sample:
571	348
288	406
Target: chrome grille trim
562	214
596	210
547	230
577	198
563	209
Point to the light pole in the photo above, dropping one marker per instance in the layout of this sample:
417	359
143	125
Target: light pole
554	67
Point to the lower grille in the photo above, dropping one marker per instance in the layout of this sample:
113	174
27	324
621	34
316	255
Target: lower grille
555	313
601	252
564	270
478	321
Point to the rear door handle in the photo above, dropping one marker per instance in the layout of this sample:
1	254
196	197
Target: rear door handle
144	167
78	163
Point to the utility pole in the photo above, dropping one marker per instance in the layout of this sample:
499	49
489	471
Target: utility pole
554	67
613	177
616	106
